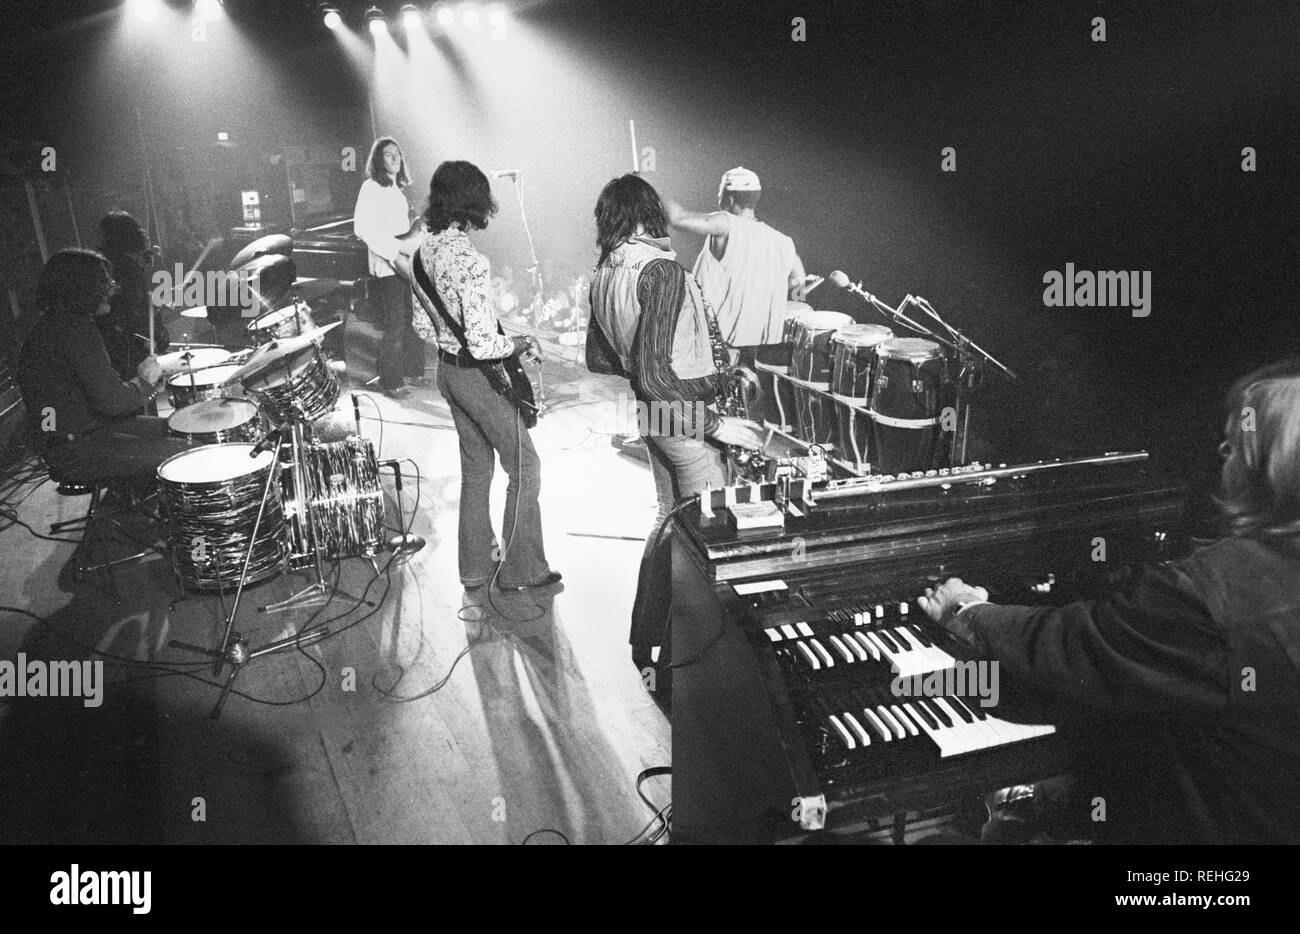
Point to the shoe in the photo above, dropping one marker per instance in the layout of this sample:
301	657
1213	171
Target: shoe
401	392
553	578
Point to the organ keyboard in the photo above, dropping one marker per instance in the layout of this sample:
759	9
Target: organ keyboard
809	690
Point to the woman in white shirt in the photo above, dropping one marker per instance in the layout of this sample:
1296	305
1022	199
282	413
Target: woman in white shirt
383	221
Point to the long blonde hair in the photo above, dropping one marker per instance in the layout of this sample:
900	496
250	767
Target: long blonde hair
1260	493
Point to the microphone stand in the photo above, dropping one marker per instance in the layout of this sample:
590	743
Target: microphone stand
896	315
970	377
539	300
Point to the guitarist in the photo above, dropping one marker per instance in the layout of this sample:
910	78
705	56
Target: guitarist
480	377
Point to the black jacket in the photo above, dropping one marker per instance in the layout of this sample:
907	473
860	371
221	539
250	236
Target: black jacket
1190	681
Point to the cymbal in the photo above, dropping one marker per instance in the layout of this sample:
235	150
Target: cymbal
263	246
272	353
198	311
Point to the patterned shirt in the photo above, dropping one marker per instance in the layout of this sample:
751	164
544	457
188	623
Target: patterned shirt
463	278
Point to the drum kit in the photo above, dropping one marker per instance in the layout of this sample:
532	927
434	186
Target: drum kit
873	400
260	494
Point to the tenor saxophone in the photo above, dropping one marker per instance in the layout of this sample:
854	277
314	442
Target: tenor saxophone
739	389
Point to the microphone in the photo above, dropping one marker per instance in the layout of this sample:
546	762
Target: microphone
838	279
356	413
506	173
268	441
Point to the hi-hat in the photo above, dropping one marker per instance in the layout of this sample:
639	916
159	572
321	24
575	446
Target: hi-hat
270	354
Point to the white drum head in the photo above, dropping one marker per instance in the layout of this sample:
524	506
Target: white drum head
213	463
199	358
861	335
908	348
824	321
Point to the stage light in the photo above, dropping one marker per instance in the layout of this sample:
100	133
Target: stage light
146	10
469	15
375	17
446	16
333	19
497	16
208	9
412	19
223	136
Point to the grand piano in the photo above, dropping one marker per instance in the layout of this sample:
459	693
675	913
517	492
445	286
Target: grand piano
328	249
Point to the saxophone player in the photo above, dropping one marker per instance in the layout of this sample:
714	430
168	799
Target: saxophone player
650	323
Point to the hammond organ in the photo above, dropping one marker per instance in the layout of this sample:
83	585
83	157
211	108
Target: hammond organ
787	641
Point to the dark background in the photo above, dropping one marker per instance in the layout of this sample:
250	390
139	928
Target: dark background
1117	155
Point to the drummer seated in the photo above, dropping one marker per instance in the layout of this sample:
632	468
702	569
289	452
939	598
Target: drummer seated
83	416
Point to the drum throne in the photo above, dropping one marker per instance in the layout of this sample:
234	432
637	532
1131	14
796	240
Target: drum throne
121	526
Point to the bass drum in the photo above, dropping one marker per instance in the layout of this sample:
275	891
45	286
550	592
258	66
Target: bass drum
337	489
905	405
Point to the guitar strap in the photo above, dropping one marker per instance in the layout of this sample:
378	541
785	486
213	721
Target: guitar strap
495	374
427	286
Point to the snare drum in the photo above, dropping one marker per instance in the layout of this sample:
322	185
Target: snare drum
191	359
304	380
810	365
210	498
289	321
778	394
905	402
185	389
217	421
853	369
342	498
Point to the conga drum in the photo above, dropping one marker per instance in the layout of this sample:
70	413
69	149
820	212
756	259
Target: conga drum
810	367
853	371
905	405
778	394
211	497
